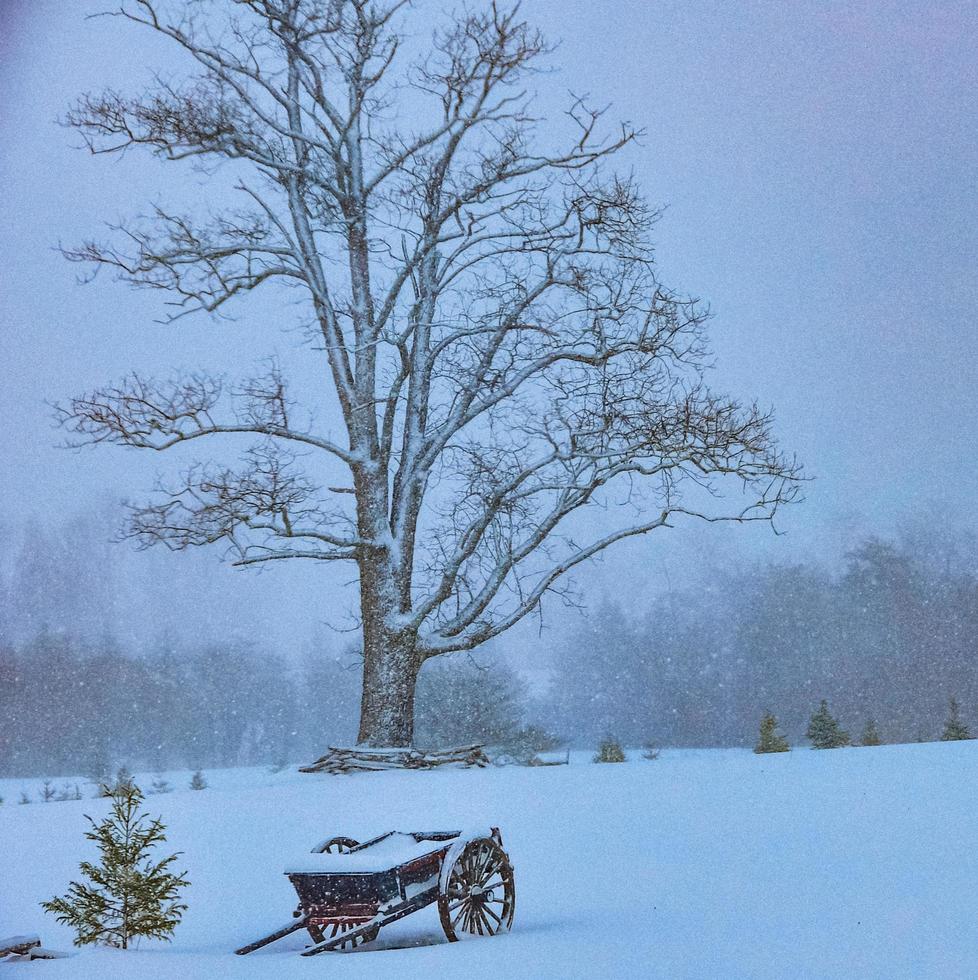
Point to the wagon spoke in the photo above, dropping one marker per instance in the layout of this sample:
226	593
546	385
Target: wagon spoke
484	857
489	861
485	925
494	870
491	885
498	918
475	862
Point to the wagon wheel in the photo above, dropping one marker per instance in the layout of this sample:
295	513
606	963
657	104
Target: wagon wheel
481	895
336	845
338	928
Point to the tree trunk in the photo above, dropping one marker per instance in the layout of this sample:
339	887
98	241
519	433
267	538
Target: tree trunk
390	660
390	674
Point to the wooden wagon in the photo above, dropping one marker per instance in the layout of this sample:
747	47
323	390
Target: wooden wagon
349	891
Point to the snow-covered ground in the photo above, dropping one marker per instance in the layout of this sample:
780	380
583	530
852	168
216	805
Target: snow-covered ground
853	863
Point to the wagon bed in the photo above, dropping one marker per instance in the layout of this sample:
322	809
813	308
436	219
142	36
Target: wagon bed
348	891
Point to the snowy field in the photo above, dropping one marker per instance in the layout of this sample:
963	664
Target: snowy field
720	864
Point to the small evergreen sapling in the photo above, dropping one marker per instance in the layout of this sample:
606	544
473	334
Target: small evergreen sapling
610	750
870	735
123	779
824	732
955	730
48	792
197	781
160	785
131	895
770	740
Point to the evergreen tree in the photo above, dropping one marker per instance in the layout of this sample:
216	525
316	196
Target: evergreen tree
130	894
460	702
123	780
870	735
197	781
955	730
824	732
610	750
770	740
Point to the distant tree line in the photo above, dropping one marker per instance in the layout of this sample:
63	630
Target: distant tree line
888	637
68	708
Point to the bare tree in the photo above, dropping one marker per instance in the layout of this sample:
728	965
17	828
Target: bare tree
501	350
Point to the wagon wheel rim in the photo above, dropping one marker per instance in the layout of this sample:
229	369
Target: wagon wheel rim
337	845
481	895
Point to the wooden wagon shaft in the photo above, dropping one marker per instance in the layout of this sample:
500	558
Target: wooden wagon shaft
299	923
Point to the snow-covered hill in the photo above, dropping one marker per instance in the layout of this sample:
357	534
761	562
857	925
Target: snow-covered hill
852	863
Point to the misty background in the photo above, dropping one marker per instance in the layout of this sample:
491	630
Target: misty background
817	162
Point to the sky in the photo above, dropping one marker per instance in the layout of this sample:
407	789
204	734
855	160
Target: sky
818	166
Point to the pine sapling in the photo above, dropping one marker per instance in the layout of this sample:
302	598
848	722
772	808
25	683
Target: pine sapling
610	750
769	740
123	779
197	781
48	792
955	730
824	732
870	735
129	894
